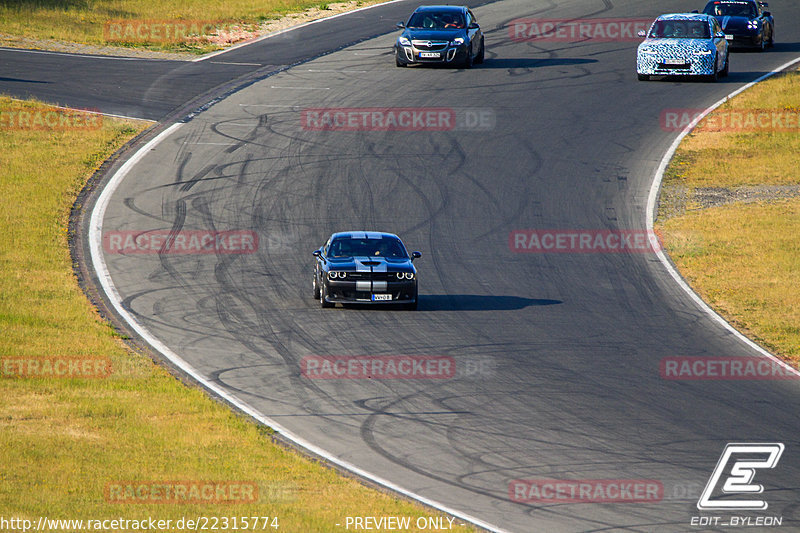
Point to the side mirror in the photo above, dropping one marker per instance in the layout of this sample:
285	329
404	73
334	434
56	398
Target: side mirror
400	25
317	253
767	14
641	33
473	26
416	255
695	11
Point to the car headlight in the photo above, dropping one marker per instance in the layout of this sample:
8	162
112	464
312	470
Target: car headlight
702	52
457	41
404	41
405	275
333	274
752	24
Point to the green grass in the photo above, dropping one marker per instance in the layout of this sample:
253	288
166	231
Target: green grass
63	440
83	21
743	259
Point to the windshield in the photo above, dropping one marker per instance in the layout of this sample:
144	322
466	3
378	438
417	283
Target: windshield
679	29
731	9
432	20
383	247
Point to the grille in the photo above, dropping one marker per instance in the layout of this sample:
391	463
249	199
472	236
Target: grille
374	276
685	66
434	45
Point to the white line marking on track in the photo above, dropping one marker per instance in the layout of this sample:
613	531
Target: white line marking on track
650	215
233	63
270	105
337	70
300	88
118	58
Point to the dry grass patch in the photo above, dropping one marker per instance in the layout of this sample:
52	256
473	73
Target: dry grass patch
202	25
742	258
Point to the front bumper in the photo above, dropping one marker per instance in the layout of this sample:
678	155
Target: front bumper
689	65
745	40
362	292
444	55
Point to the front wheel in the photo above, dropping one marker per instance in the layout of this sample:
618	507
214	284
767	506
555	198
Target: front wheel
714	76
771	41
413	306
481	54
468	59
316	287
726	69
323	295
643	77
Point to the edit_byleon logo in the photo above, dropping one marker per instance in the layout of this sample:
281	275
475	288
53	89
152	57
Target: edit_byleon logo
740	460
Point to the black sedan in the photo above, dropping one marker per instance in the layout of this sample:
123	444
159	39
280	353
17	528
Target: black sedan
365	267
745	20
441	35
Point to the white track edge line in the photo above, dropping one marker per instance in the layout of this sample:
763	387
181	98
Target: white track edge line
107	284
281	32
91	56
651	215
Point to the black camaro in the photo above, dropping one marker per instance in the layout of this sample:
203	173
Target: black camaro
365	267
746	20
440	34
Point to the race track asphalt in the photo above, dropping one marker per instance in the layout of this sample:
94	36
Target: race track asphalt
557	354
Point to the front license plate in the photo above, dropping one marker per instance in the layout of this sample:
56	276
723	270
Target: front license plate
381	297
674	62
430	54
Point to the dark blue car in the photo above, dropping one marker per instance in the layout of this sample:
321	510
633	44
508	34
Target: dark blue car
746	20
365	267
448	35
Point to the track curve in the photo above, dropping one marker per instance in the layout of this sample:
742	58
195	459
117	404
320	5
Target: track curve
570	343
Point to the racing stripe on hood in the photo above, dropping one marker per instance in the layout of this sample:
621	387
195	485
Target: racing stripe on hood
359	264
370	265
